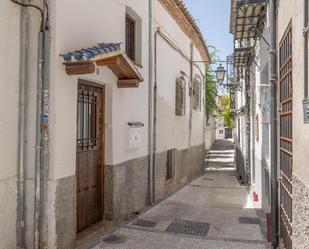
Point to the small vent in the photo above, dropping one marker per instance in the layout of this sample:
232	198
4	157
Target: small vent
187	227
249	220
170	164
144	223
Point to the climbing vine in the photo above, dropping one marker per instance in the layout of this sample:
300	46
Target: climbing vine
225	108
210	87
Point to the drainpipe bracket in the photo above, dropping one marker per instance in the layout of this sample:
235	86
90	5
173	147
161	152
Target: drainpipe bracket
306	30
273	51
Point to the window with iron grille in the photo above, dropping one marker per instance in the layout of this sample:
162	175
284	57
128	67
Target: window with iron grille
87	122
130	37
197	93
170	164
180	104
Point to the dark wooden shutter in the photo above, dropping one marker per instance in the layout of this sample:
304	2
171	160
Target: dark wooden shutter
180	97
170	164
130	37
197	94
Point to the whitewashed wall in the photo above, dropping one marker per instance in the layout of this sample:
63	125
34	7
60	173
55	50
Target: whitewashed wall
122	105
9	69
172	130
293	10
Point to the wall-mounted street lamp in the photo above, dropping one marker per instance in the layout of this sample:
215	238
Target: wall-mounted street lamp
220	73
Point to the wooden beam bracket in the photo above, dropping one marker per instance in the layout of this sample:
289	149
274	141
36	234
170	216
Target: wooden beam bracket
128	83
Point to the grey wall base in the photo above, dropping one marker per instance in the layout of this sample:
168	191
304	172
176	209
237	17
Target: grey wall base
65	212
240	164
8	193
126	189
300	214
189	164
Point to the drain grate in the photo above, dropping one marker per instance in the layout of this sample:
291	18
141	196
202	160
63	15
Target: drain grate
115	239
144	223
189	227
249	220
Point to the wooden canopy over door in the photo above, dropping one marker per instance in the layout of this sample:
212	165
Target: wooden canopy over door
89	156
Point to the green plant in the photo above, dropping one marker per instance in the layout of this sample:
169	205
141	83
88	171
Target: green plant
211	90
211	95
226	114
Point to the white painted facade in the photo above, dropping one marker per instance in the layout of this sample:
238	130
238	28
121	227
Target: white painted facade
220	129
260	123
173	131
74	25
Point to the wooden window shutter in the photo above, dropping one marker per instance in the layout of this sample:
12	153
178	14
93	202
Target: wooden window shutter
170	164
197	94
180	104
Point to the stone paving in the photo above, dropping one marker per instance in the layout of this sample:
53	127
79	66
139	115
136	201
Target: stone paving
215	198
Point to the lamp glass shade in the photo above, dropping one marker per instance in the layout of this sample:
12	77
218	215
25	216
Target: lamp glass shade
220	73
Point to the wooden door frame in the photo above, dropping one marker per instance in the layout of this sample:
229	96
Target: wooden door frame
102	87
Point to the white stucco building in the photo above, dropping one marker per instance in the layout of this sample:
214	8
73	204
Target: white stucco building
110	94
275	118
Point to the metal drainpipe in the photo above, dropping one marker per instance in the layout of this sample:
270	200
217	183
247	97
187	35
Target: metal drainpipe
191	101
248	116
38	146
23	83
45	130
306	49
42	134
273	120
191	93
151	140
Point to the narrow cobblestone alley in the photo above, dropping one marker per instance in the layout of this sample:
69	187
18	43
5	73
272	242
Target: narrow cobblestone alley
213	212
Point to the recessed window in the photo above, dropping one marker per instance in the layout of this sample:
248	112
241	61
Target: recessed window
130	37
133	36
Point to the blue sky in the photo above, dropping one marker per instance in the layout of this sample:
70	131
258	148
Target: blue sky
213	18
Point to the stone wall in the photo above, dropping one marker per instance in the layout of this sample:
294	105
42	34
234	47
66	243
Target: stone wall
8	208
189	163
126	187
65	212
300	214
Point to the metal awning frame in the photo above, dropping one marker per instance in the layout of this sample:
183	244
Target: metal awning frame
249	17
242	56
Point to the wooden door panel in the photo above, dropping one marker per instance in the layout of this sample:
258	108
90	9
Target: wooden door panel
89	156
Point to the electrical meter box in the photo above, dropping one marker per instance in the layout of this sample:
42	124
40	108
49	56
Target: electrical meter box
135	135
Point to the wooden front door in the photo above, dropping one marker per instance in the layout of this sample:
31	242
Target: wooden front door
89	154
286	139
